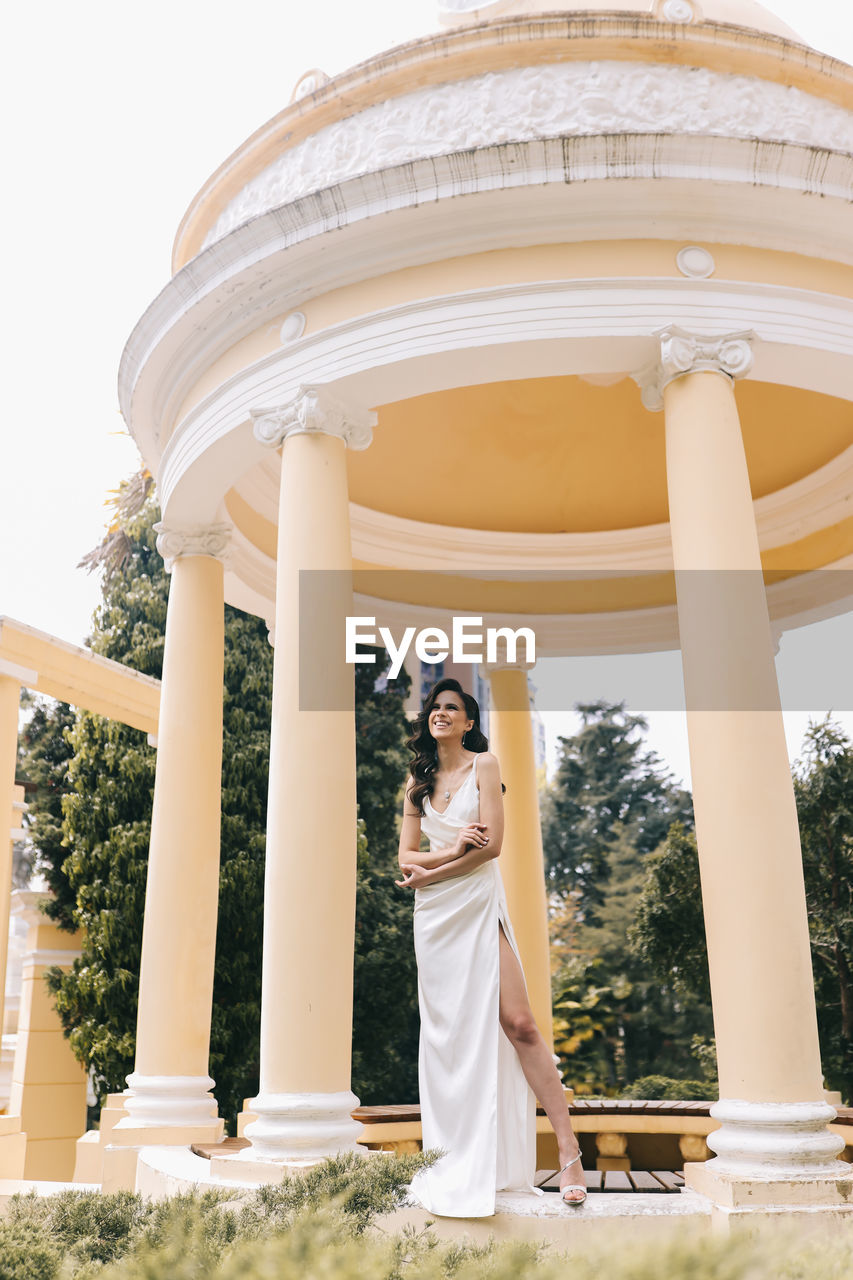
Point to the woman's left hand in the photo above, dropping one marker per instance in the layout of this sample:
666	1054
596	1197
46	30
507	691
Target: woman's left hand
413	877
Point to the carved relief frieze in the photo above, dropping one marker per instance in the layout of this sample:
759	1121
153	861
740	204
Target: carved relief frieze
570	99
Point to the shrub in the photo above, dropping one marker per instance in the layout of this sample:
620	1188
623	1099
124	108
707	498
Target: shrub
316	1225
26	1254
361	1189
652	1087
85	1224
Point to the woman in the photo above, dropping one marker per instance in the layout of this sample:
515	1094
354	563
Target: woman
482	1060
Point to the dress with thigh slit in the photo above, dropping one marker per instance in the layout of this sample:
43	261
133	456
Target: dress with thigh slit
476	1105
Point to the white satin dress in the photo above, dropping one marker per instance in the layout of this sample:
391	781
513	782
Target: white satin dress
476	1105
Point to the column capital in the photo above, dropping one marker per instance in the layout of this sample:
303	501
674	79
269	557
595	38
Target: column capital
177	540
314	408
684	352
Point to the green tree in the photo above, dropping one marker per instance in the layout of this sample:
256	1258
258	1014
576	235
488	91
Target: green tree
669	926
386	1025
45	754
93	843
604	780
670	935
107	815
108	808
610	805
644	1024
823	784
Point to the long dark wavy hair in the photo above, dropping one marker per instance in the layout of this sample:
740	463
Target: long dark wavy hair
424	766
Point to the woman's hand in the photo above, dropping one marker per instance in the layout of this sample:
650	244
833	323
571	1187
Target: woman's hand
472	836
413	877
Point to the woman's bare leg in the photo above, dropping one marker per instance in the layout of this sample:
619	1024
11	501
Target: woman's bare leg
536	1062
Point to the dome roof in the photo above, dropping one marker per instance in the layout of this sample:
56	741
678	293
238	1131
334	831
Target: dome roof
741	13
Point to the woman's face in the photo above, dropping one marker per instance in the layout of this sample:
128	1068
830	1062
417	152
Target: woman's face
448	719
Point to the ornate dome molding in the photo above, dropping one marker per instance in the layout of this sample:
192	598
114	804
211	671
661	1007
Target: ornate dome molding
558	100
474	51
743	13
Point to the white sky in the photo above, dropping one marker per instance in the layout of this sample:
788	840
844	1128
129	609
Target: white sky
116	113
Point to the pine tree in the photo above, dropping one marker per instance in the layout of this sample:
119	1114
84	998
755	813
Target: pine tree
604	779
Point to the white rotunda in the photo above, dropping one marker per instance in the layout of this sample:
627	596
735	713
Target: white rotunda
546	316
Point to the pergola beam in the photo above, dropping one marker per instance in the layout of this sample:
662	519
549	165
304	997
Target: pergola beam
76	675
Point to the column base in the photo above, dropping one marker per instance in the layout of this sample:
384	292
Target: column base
157	1102
734	1191
167	1111
773	1155
301	1129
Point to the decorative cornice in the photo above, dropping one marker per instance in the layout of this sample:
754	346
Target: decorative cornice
176	541
564	100
684	352
490	47
557	192
314	409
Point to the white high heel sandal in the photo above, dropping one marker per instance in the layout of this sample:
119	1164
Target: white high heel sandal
573	1186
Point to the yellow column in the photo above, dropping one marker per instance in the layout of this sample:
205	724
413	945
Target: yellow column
772	1110
12	1141
522	862
305	1102
48	1083
170	1102
10	697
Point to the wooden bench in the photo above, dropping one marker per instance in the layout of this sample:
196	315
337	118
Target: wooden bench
660	1180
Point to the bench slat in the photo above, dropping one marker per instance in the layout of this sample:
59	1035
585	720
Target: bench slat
551	1179
669	1180
644	1181
616	1180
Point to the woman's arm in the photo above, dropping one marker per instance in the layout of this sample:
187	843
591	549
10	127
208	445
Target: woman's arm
417	876
410	838
418	873
445	855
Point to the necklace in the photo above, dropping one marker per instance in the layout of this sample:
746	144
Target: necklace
447	792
